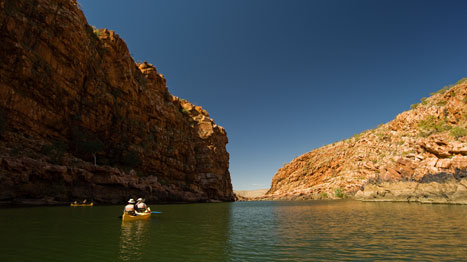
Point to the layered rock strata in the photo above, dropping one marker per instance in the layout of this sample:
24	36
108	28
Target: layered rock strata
80	119
420	156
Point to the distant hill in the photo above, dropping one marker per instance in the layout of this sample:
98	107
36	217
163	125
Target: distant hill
251	193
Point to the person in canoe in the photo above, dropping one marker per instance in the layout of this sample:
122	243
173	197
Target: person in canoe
140	205
130	207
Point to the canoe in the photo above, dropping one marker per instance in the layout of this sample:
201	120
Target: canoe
81	205
139	216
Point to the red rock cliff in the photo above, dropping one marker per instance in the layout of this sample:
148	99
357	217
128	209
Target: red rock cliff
419	156
72	96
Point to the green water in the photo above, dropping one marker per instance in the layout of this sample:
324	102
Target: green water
244	231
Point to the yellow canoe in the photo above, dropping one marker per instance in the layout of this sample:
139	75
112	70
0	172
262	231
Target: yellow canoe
81	205
139	216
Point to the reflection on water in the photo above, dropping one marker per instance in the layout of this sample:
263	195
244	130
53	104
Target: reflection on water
133	239
371	231
347	230
252	231
194	232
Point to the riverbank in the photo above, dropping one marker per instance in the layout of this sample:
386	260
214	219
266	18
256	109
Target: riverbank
447	192
51	202
444	189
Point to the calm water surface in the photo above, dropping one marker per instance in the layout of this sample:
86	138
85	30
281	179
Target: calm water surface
243	231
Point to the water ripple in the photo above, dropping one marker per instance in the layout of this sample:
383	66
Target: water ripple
244	231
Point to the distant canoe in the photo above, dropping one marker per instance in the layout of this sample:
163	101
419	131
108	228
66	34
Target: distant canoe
81	205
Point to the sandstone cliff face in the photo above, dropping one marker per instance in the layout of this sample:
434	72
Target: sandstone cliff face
71	95
419	156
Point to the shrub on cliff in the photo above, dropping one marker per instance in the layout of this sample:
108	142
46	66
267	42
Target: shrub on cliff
55	151
432	125
91	147
131	159
184	111
423	101
442	103
323	195
86	143
458	132
441	91
339	193
97	31
357	136
462	80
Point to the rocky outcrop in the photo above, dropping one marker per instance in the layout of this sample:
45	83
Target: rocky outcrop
450	191
80	119
419	156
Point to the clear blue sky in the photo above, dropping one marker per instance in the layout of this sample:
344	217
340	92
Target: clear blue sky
287	76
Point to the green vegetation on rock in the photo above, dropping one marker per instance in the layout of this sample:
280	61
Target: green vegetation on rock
92	147
441	91
432	125
423	100
339	193
324	195
458	132
55	151
441	103
357	136
97	32
462	80
132	159
85	143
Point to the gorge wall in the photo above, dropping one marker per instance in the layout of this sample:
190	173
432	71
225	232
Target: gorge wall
419	156
80	119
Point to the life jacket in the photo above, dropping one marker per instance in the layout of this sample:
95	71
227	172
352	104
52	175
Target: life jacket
141	205
130	208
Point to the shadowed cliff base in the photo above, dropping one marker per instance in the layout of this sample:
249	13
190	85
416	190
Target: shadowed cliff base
419	156
80	119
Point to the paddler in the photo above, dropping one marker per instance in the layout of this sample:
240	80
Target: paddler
130	207
140	205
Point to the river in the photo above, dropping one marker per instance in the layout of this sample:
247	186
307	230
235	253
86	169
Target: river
241	231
